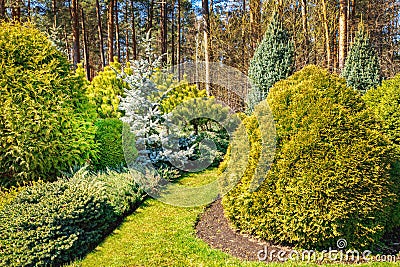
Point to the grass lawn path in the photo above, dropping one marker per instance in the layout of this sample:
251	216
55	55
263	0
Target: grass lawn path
157	234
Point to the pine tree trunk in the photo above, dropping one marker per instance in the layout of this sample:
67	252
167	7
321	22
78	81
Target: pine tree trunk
28	8
352	20
100	34
255	20
326	30
305	31
163	31
173	35
134	43
3	9
16	10
54	11
342	33
75	32
197	53
127	53
243	33
206	30
110	31
178	47
117	40
150	16
85	46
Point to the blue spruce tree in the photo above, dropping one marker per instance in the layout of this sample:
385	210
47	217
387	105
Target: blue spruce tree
362	69
272	61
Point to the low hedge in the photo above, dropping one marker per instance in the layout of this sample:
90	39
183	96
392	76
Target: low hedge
54	223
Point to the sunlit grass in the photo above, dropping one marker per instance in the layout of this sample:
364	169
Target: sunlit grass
158	234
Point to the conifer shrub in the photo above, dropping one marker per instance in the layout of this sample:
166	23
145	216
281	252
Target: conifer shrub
175	92
105	89
331	177
109	139
45	124
362	70
385	102
54	223
273	61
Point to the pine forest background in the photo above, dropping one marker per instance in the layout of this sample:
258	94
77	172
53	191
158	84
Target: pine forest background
97	32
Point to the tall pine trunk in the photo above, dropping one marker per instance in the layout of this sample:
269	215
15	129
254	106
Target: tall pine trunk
3	9
127	52
117	39
206	30
163	30
16	10
178	33
54	13
255	21
342	33
100	34
85	46
243	33
326	31
28	8
134	43
173	35
110	31
305	31
150	16
75	32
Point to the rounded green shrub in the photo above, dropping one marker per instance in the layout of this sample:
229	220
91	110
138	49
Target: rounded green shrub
331	175
109	139
45	124
104	91
54	223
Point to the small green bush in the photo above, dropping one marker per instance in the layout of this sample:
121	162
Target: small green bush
109	139
331	177
45	122
104	91
175	92
54	223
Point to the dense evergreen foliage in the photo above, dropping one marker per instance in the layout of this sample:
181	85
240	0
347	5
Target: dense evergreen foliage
362	69
45	119
331	176
385	102
273	60
53	223
109	139
105	89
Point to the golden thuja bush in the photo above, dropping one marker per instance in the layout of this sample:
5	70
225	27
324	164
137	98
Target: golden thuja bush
332	176
45	116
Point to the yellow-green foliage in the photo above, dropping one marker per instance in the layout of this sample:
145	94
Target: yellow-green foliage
104	90
331	175
179	91
45	122
385	102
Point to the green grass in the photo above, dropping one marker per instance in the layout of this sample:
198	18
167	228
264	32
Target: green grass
158	234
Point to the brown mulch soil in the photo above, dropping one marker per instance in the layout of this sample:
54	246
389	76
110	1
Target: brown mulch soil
215	230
